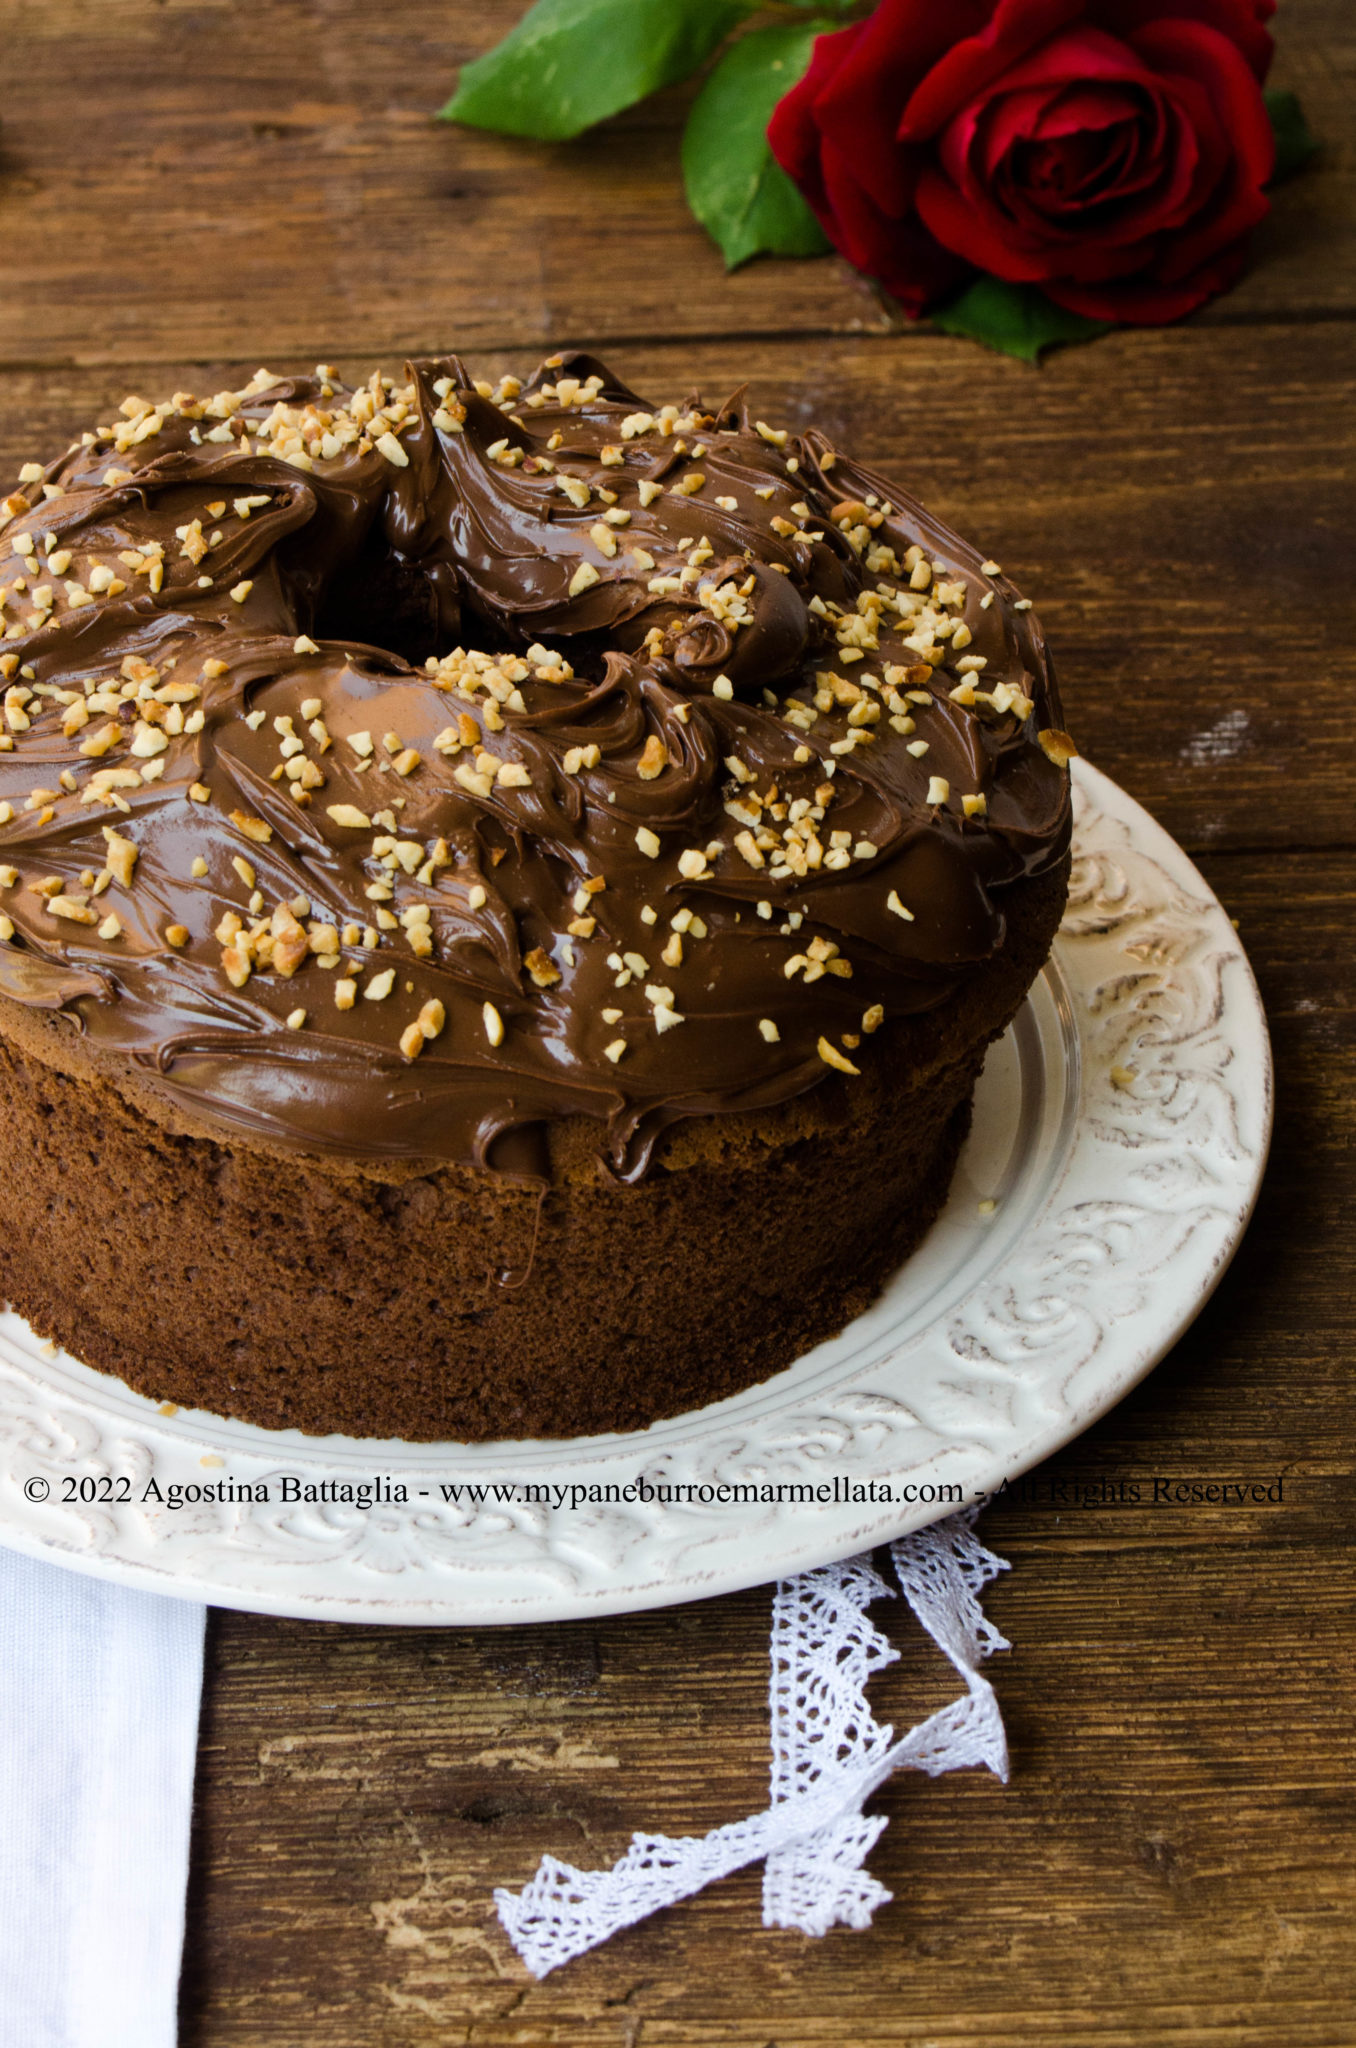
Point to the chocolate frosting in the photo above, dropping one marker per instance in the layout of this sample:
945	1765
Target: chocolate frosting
704	752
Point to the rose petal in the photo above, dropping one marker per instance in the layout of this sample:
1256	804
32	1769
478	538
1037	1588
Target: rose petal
1212	63
1086	106
1112	148
1243	209
1240	21
978	60
1075	58
1113	167
1080	56
901	254
1225	101
1088	184
987	238
858	107
1156	189
793	132
1020	116
863	199
994	184
1144	301
916	270
860	229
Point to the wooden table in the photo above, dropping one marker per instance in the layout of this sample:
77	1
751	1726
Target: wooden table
191	187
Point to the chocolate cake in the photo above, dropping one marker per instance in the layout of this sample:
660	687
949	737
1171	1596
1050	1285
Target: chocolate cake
506	892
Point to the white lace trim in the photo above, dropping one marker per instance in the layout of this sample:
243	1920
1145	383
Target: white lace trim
829	1754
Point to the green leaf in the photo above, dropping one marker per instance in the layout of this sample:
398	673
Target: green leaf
735	186
1295	143
1016	319
571	63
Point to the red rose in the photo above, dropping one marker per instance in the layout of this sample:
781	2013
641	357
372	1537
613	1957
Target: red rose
1112	152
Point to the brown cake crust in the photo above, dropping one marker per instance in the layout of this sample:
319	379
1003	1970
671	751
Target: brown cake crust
431	1301
504	893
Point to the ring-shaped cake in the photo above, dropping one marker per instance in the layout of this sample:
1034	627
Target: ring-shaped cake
506	891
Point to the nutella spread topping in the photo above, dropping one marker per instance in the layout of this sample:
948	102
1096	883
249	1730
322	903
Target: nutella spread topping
704	753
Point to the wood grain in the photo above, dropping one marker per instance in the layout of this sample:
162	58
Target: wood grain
192	186
231	177
1173	1862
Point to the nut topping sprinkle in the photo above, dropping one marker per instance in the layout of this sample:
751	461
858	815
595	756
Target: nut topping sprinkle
669	783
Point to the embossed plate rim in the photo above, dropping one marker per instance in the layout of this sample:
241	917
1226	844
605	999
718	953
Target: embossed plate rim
1151	1180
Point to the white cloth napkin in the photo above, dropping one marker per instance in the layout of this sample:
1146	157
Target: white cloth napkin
99	1693
99	1698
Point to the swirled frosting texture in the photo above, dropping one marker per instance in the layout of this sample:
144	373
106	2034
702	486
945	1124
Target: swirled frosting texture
706	753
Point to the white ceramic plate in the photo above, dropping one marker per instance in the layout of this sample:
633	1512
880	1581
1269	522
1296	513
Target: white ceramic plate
1120	1132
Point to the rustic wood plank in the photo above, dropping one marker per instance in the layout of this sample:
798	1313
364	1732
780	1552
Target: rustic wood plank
186	177
1180	503
192	186
1174	1861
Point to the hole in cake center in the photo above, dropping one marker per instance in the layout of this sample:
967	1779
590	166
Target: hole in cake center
382	601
